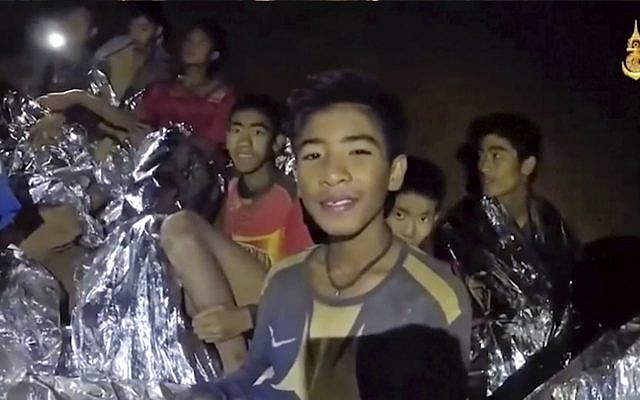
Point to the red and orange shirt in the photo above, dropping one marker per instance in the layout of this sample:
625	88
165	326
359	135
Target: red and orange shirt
208	116
269	225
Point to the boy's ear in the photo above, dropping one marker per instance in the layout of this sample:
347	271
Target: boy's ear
214	56
158	36
278	143
94	32
396	174
528	166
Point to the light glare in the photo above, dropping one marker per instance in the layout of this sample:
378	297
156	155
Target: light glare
56	40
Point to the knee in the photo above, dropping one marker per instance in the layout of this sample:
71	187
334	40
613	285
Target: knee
177	229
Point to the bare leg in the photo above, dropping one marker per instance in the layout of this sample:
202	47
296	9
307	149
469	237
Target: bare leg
201	256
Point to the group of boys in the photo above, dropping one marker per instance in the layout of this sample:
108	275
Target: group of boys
365	313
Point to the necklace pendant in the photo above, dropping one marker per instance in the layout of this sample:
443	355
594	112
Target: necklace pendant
337	293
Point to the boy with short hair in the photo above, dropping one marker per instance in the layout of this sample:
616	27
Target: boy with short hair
416	206
134	61
517	255
349	137
261	221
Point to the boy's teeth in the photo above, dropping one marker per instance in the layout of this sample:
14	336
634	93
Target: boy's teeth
340	202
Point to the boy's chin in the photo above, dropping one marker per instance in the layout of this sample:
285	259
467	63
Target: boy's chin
340	231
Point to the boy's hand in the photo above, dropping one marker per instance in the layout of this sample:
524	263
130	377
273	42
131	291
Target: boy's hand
47	129
219	323
61	101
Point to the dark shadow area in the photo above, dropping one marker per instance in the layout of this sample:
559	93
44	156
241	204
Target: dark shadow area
606	285
411	362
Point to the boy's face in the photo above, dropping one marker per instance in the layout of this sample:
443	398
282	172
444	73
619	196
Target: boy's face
413	217
249	140
343	171
78	25
501	172
141	32
197	48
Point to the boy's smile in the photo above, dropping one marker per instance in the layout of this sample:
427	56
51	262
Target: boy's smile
343	171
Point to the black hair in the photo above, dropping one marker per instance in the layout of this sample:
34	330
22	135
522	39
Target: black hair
522	133
425	178
150	11
218	37
263	103
153	13
350	86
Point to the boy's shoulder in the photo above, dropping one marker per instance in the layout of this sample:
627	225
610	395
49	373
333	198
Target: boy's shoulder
438	280
293	265
283	188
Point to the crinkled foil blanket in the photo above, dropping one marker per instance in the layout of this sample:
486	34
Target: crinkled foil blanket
512	292
129	337
608	370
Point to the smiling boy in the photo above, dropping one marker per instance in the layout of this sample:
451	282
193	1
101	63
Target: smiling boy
349	137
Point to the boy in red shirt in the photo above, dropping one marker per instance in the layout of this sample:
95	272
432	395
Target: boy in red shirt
223	267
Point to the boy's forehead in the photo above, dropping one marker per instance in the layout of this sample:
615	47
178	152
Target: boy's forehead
415	203
495	141
340	120
250	116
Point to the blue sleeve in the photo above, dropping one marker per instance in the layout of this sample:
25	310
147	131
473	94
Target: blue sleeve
9	205
238	384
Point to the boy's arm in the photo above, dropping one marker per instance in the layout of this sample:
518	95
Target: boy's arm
58	102
297	237
238	384
461	326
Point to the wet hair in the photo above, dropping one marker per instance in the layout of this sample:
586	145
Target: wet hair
218	37
522	133
264	104
350	86
425	178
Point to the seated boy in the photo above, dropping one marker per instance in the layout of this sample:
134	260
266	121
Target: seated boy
348	136
517	256
417	204
261	221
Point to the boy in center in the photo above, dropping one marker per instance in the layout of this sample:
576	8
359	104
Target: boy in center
349	137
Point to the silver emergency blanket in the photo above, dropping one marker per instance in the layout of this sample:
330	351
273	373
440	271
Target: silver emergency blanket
285	160
59	173
60	387
128	323
30	335
519	281
608	370
100	86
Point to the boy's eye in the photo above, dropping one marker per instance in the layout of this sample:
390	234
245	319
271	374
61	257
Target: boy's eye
310	156
360	152
495	156
426	218
259	132
235	130
399	215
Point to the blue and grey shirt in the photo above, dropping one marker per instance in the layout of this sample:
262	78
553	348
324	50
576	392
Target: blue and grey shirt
304	344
